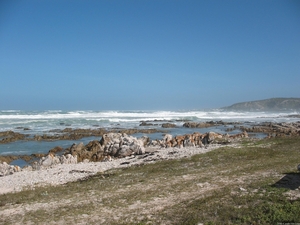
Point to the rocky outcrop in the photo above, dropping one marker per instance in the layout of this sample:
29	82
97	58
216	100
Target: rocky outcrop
6	169
168	125
197	125
55	150
275	129
118	145
121	144
51	160
207	124
110	145
196	139
144	123
10	136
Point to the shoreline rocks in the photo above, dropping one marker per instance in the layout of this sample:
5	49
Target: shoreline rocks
275	129
11	136
120	145
6	169
68	134
62	173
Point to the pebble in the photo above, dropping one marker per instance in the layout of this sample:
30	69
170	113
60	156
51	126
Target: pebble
63	173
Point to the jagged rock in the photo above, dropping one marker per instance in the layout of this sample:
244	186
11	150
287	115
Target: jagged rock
68	159
154	143
77	148
17	168
145	140
111	144
55	150
240	135
49	160
93	151
10	136
122	145
167	138
275	129
6	169
124	151
189	141
213	135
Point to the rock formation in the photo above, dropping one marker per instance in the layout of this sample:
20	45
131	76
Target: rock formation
118	145
6	169
52	159
275	129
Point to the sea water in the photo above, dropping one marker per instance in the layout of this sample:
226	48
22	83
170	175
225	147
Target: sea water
41	122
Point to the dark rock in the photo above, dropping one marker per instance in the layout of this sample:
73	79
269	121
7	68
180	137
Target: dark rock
146	124
55	150
10	136
197	125
168	125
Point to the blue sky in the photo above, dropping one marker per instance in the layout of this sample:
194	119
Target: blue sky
147	54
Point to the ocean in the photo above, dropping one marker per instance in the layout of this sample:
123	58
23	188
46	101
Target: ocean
41	122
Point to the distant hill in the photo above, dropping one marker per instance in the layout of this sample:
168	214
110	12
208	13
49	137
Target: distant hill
272	104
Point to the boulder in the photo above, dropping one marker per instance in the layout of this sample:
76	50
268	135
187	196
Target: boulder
68	159
93	151
210	137
124	151
110	145
180	141
145	140
49	160
189	141
6	169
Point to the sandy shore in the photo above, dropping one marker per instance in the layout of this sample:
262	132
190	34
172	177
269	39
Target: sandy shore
63	173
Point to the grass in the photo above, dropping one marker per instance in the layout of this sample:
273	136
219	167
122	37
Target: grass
228	185
265	206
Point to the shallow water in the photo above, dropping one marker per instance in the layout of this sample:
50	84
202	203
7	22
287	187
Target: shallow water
41	122
30	147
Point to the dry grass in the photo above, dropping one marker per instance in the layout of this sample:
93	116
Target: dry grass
246	185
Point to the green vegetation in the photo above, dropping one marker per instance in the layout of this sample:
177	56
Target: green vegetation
272	104
255	183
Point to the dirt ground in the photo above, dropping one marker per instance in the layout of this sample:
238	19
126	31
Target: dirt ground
153	193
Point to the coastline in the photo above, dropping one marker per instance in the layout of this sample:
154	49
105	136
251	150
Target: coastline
64	173
144	151
170	191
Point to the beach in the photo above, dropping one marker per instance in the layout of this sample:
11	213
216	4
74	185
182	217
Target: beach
40	131
197	185
146	137
63	173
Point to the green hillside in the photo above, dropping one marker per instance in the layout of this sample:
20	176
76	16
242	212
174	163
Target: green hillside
272	104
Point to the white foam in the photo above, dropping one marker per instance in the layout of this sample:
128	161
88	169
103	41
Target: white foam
53	119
